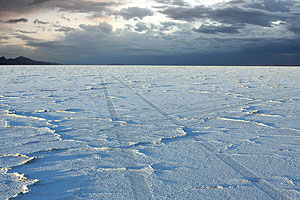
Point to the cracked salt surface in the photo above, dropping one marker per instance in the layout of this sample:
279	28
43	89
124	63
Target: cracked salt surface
149	132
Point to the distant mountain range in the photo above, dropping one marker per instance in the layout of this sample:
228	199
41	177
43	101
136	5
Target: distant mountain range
21	60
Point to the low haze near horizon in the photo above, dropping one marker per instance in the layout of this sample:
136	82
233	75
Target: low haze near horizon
236	32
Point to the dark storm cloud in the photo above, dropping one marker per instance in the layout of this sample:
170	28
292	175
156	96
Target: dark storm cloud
239	37
217	29
134	12
273	5
27	6
137	48
187	14
14	21
256	52
281	46
13	5
37	2
236	15
81	6
229	15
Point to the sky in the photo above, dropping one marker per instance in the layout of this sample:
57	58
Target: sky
166	32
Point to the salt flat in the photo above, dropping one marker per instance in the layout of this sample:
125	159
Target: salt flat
138	132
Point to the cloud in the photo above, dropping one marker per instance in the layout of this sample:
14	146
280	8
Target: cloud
211	29
105	27
294	27
4	37
13	6
65	18
101	27
273	5
26	32
134	12
14	21
37	2
167	26
141	26
40	44
18	7
173	2
229	15
236	15
37	21
8	50
187	14
64	29
93	46
237	31
178	48
82	6
54	45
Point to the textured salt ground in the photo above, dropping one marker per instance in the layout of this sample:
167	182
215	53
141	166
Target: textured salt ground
149	132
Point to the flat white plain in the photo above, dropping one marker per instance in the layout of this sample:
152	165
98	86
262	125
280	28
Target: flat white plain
138	132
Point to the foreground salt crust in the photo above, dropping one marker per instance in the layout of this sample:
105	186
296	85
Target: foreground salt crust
149	132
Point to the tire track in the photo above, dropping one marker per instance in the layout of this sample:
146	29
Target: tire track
260	183
111	108
139	185
166	115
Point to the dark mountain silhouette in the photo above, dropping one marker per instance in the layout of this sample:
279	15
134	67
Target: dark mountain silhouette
21	60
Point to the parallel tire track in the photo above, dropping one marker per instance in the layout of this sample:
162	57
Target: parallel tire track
111	108
260	183
139	185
